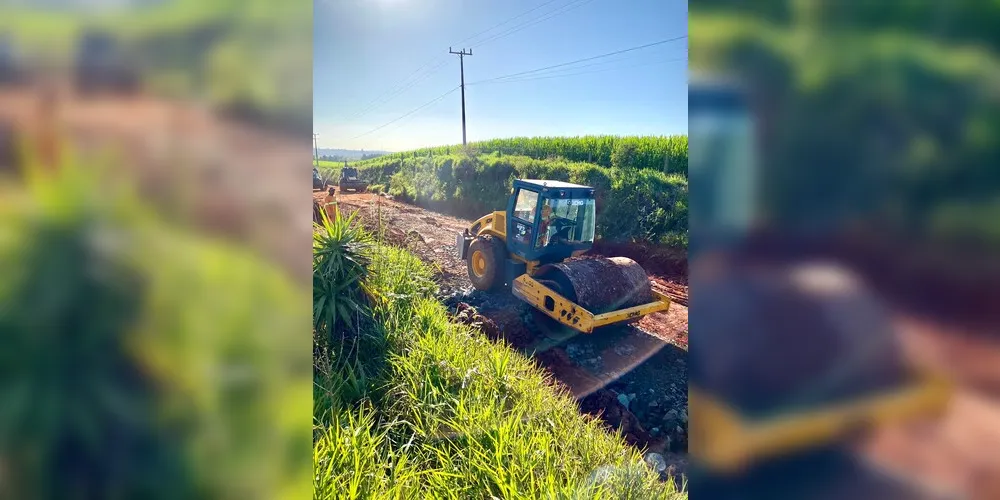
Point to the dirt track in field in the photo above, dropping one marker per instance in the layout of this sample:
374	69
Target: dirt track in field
636	377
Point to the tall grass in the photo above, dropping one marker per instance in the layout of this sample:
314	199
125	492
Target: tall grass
668	154
445	413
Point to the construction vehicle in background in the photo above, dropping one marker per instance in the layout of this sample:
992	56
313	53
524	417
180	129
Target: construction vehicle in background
102	65
349	180
530	246
318	182
792	358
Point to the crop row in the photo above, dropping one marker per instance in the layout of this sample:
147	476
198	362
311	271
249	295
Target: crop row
668	154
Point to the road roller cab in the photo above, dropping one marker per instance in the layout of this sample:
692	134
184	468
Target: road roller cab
527	246
550	221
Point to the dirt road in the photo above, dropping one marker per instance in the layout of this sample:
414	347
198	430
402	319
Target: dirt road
636	376
957	452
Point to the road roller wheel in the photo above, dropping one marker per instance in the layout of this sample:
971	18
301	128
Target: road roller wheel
599	284
486	256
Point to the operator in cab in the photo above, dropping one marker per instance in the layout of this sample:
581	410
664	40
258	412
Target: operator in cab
543	225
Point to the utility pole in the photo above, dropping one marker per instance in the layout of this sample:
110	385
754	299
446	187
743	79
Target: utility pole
315	150
461	65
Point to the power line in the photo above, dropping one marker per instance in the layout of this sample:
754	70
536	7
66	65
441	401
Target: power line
460	42
545	77
582	60
405	84
397	91
574	68
402	86
565	8
422	106
401	82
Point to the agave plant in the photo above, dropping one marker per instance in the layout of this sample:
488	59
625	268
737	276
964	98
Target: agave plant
340	265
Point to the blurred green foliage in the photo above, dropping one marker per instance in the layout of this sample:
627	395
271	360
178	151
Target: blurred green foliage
877	114
139	360
962	21
243	57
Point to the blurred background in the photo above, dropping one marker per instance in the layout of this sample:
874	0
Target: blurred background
154	249
844	220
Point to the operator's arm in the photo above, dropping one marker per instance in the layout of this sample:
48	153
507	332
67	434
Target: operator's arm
543	233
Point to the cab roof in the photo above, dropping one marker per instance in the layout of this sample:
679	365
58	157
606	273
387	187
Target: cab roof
546	184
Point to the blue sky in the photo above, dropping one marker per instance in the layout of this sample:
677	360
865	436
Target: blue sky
376	60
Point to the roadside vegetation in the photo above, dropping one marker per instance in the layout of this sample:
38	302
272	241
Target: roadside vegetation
411	405
633	204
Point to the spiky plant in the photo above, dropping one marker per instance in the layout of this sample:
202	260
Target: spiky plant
340	296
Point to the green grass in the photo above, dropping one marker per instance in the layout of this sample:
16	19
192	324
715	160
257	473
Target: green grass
426	408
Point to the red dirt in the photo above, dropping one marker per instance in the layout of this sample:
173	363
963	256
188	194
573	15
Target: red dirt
946	311
183	155
958	451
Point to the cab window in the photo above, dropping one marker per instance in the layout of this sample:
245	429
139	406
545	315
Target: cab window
566	221
524	207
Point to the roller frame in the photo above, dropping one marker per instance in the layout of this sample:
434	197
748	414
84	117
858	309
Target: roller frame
725	442
575	316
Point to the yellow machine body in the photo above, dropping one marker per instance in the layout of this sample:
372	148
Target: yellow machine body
547	300
725	442
573	315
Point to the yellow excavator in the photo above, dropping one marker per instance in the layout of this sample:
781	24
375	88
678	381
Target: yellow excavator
790	359
533	248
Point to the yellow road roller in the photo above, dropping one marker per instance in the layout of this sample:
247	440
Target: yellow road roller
534	247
